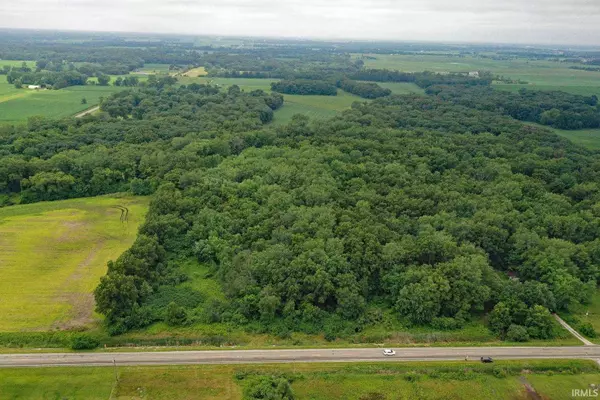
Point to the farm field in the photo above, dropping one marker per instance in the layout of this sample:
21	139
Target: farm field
312	106
53	255
16	105
419	380
542	75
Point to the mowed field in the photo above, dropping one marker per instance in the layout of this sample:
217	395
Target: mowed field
52	255
343	381
540	75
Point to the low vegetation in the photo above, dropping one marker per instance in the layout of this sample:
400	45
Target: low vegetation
53	255
506	379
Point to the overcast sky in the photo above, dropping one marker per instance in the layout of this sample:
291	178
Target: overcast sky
514	21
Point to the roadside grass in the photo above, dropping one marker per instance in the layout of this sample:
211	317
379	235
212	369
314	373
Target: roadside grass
560	387
589	313
552	379
56	383
53	255
50	103
543	75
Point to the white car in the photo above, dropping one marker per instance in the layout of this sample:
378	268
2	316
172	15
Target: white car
389	352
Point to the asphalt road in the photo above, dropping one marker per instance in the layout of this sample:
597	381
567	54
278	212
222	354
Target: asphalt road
289	356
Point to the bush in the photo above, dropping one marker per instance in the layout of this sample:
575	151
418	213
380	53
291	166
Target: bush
445	323
587	329
412	376
499	372
268	387
176	315
84	341
517	333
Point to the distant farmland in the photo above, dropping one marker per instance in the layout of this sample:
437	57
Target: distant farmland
16	105
540	75
53	255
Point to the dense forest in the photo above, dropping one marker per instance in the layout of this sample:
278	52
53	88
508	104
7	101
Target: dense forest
407	203
557	109
436	208
304	87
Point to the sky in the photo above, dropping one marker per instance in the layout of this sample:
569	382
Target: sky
503	21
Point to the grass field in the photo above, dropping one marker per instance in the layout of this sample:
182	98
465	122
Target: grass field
16	105
195	72
551	379
589	138
53	254
542	75
587	313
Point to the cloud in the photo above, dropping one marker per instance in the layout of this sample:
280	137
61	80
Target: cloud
532	21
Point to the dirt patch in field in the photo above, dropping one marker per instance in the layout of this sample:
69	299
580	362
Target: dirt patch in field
82	304
532	394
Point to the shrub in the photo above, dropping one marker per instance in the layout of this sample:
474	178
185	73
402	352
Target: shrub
499	372
84	341
175	315
412	376
445	323
588	330
268	387
517	333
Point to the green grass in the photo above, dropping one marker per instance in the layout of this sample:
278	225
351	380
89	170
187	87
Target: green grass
53	255
586	313
589	138
56	383
542	75
552	379
560	388
25	103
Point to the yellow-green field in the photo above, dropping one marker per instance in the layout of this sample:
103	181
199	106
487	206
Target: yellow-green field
195	72
542	75
53	254
344	381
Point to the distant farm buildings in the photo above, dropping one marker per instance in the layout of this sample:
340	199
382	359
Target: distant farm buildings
34	87
474	74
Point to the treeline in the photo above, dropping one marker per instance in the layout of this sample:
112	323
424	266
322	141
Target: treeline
52	160
305	238
365	90
557	109
304	87
55	80
591	69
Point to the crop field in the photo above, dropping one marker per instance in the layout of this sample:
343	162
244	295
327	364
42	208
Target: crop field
540	75
550	379
16	105
53	255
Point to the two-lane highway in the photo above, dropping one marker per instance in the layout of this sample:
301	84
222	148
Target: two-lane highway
288	356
